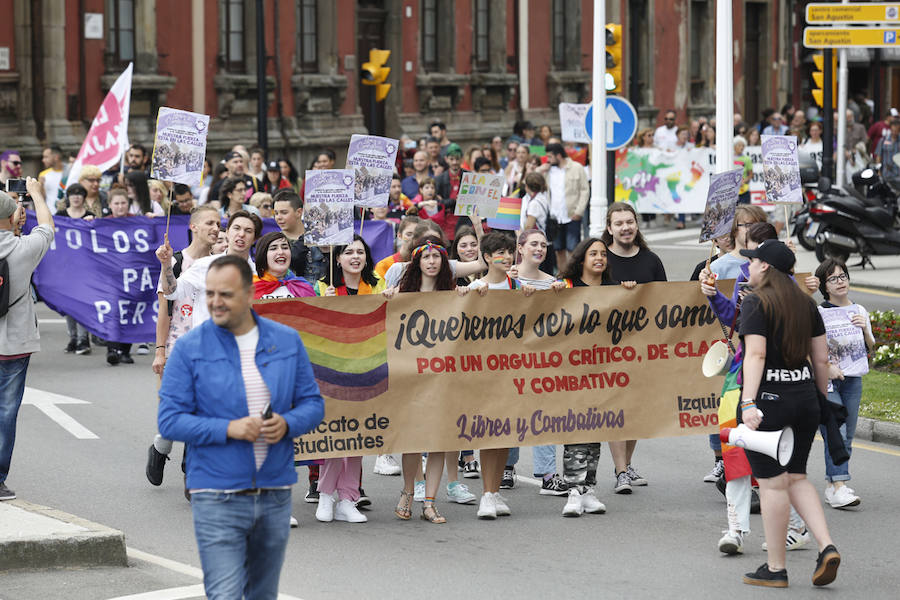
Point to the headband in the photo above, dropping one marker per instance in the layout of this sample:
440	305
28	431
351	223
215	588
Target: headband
428	246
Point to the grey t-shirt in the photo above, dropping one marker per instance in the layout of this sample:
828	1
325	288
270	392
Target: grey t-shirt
18	329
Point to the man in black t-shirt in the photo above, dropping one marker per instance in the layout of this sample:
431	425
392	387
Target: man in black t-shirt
629	259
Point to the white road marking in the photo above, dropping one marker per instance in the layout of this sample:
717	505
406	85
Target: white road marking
51	321
46	403
179	593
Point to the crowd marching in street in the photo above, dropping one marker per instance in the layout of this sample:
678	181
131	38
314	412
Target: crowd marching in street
237	407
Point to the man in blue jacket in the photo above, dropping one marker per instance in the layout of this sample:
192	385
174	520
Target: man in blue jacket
217	385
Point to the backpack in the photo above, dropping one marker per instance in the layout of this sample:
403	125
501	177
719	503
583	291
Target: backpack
5	304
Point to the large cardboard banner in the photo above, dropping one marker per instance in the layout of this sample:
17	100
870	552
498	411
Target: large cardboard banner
435	371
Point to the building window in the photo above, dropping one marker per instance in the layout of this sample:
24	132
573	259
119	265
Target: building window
121	31
429	35
559	34
481	57
307	37
701	36
232	35
565	35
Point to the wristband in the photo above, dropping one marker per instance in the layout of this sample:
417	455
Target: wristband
746	405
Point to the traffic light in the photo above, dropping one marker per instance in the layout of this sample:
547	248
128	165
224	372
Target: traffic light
818	76
613	58
375	73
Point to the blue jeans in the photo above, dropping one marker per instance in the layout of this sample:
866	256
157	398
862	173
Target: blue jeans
242	540
846	392
544	458
715	443
567	236
12	388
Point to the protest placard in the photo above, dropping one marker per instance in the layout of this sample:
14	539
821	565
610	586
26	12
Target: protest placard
328	207
721	200
438	372
509	215
481	191
571	122
781	169
372	158
179	146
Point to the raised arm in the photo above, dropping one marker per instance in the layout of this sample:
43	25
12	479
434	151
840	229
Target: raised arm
41	210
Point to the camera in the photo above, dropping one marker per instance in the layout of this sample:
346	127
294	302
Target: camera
16	186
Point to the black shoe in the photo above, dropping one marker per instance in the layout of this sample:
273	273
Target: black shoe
470	470
70	347
97	341
720	485
508	481
766	578
187	492
126	359
156	462
363	499
112	357
754	501
312	495
83	347
6	493
826	566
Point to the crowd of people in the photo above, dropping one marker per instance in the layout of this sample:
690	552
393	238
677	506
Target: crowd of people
209	287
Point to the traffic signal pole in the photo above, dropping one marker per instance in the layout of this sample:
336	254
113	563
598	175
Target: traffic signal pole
262	107
827	118
599	169
724	87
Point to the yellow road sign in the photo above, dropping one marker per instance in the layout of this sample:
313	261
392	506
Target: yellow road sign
849	37
853	13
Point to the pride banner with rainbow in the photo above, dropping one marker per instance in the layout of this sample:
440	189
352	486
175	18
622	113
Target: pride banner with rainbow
508	215
348	351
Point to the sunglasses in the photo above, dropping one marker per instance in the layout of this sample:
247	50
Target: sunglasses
16	163
266	206
97	180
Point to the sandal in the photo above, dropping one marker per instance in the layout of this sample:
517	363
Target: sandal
435	516
404	507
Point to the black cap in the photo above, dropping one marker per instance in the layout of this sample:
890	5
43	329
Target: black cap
272	166
231	155
775	253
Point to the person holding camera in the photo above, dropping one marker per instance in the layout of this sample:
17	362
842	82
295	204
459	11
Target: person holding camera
19	338
785	369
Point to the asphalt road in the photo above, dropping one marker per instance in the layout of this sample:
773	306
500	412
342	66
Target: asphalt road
659	542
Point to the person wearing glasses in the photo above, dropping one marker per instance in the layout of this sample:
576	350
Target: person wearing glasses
666	135
10	166
95	201
849	334
232	194
184	200
262	201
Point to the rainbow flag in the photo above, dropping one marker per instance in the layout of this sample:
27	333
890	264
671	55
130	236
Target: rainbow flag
348	351
508	215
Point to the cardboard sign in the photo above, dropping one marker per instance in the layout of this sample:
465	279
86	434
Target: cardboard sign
721	200
372	158
479	191
179	146
781	169
328	207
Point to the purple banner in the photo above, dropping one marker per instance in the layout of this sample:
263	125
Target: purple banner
104	272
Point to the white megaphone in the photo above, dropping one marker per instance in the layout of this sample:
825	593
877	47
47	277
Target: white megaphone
716	361
777	444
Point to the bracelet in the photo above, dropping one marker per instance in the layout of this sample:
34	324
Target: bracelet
158	347
746	405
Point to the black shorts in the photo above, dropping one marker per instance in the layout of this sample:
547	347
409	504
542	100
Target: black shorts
798	409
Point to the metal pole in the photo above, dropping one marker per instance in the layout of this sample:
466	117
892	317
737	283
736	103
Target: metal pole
262	109
598	124
879	112
827	117
841	159
724	87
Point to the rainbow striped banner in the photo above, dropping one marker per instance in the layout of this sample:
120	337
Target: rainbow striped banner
348	351
508	215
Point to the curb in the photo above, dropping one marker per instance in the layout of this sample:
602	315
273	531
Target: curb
878	431
880	287
90	546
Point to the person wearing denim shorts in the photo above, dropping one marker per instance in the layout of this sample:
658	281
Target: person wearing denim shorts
237	389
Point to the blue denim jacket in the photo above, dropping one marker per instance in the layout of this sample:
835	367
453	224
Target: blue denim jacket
202	390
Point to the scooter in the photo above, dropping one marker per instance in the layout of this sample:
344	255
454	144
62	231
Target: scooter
847	222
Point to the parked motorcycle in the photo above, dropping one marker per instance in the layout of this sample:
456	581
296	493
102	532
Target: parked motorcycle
800	220
848	222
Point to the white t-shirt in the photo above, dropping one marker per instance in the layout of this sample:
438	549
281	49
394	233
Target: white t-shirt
192	285
180	321
814	150
665	138
155	208
52	179
257	393
280	292
538	284
535	206
480	283
556	181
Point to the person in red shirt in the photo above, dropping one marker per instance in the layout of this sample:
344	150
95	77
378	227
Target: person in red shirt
447	187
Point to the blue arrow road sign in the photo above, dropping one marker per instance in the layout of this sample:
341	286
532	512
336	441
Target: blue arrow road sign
621	122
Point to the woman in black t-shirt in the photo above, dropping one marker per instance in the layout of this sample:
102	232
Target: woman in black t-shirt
781	330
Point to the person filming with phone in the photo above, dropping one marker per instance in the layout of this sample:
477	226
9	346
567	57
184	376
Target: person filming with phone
785	368
237	389
19	257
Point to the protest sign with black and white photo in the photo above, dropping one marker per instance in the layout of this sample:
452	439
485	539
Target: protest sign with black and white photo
721	201
328	207
179	146
372	158
781	169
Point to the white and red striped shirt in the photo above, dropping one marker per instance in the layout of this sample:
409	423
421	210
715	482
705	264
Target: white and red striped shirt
257	393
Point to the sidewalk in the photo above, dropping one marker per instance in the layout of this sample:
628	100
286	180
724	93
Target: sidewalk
34	536
885	275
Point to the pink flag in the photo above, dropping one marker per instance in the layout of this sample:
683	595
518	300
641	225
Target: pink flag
107	138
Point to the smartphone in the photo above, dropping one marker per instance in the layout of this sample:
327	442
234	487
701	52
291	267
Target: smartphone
769	396
267	412
744	286
16	186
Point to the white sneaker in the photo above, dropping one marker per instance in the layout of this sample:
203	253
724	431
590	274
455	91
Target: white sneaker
487	508
795	540
459	493
591	504
732	543
325	508
573	507
386	464
294	522
716	472
502	507
843	497
419	491
345	510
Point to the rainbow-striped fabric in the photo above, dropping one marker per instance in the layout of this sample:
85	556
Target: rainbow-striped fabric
348	351
508	215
